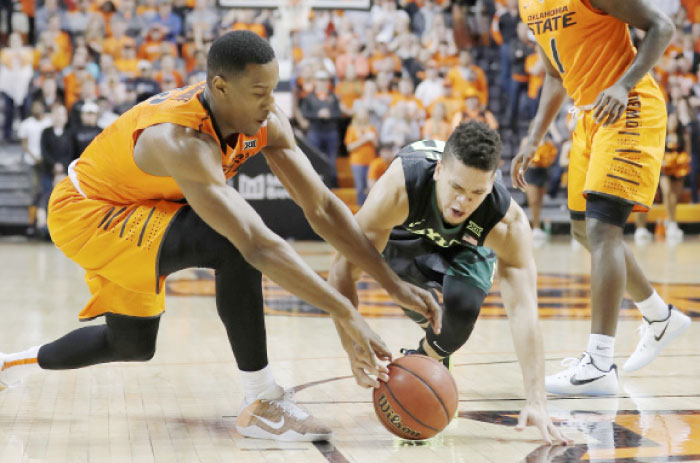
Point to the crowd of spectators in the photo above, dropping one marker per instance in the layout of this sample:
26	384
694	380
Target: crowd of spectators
364	83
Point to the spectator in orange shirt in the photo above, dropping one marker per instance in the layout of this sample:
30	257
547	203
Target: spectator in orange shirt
155	46
361	141
467	75
169	73
242	19
115	44
128	62
349	89
384	60
446	55
76	78
437	127
352	56
405	94
380	164
474	111
377	107
453	103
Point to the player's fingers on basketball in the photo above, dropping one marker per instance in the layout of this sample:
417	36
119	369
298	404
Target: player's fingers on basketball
363	379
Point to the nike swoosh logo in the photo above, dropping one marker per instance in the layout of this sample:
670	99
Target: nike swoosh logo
272	424
580	382
602	348
658	338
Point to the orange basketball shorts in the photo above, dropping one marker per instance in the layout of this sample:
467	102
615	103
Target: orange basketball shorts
623	160
117	245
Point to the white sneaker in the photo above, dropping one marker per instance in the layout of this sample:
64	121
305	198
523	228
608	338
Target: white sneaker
673	232
582	377
274	415
539	235
642	235
8	377
655	336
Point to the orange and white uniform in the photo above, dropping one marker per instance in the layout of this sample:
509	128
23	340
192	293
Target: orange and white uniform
110	217
591	50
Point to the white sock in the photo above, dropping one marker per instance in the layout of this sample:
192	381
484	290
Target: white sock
653	308
602	350
256	382
18	365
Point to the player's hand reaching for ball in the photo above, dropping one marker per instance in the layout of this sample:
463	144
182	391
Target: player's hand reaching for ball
535	414
418	300
365	349
610	105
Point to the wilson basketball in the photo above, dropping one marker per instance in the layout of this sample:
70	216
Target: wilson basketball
419	400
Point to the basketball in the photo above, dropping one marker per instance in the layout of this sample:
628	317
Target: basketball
419	400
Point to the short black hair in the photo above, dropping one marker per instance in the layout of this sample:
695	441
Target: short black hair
233	51
475	144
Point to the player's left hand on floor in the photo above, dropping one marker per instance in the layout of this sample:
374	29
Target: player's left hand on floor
536	415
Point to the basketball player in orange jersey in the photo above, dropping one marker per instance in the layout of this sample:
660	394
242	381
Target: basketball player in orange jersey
442	220
618	146
148	197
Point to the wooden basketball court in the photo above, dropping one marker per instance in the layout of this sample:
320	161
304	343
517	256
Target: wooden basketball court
181	406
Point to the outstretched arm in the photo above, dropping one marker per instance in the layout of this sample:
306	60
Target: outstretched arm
644	15
331	219
511	240
193	160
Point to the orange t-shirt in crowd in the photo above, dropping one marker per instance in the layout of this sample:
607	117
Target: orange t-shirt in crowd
462	86
433	130
114	46
151	50
176	76
535	81
363	154
349	91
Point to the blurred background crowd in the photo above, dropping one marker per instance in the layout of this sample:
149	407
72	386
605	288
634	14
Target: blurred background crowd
363	83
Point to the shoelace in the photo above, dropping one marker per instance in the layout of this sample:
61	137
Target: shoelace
287	404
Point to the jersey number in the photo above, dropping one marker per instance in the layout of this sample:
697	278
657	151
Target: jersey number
555	55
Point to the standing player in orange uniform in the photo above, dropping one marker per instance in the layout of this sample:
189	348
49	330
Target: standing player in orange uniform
149	197
614	165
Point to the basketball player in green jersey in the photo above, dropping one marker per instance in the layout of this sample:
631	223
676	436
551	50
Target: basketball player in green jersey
443	220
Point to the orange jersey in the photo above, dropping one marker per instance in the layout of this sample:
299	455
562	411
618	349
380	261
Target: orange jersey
107	170
589	48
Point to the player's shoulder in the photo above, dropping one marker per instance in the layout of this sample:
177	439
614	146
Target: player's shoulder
173	140
279	130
